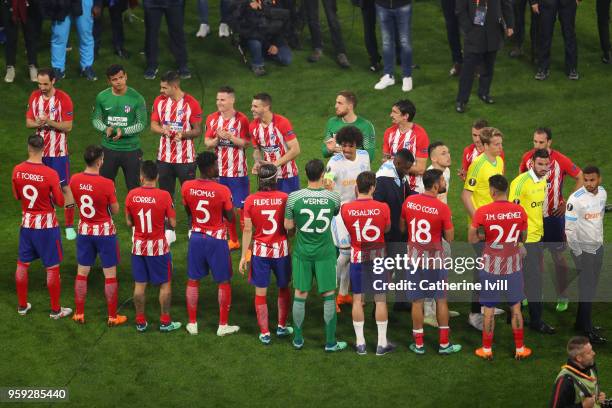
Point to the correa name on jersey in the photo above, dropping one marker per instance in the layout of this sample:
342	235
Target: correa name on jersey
143	200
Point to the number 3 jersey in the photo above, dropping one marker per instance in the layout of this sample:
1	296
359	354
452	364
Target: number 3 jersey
366	221
38	188
94	194
148	207
206	200
266	209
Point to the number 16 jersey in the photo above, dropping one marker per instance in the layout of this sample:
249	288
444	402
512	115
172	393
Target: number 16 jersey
93	194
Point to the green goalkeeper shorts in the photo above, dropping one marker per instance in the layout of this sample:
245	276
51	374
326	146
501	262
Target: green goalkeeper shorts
323	270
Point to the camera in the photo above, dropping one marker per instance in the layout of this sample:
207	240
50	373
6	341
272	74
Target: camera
607	403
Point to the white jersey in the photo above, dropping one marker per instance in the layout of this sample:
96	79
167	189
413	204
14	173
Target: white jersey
442	197
344	172
584	220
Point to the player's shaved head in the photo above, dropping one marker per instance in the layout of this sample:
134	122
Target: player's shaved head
92	154
267	177
207	164
314	170
366	180
499	183
226	89
36	143
351	135
149	170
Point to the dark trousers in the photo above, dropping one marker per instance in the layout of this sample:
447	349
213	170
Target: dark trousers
116	17
169	172
452	30
129	162
368	14
312	15
174	20
589	268
519	25
567	19
533	281
31	33
603	24
471	62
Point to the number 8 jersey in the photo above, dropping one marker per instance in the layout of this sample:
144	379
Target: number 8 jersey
266	209
93	194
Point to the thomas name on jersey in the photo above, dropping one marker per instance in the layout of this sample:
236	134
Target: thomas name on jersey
201	193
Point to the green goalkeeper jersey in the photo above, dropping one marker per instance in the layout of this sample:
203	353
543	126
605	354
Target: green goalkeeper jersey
312	211
335	123
127	112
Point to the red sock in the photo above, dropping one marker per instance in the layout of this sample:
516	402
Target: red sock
69	215
110	290
80	292
164	318
284	298
518	337
54	286
21	281
418	337
225	302
192	299
261	310
231	227
487	340
141	318
241	218
443	335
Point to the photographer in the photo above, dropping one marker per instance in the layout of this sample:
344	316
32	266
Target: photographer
262	27
576	384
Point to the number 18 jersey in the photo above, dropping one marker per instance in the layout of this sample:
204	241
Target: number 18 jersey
266	210
93	194
426	220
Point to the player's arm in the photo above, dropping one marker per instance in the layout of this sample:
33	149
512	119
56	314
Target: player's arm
257	157
114	208
247	235
141	119
466	199
293	150
33	123
56	191
157	128
62	126
97	118
289	227
236	141
473	237
128	219
194	132
571	227
418	168
579	181
449	234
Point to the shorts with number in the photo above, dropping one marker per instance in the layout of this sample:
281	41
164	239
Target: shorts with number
423	279
304	271
45	244
364	280
554	233
90	246
495	287
239	186
206	254
61	165
261	269
153	269
288	185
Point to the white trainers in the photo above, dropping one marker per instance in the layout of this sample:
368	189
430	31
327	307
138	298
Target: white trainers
33	73
203	31
25	310
170	236
496	313
64	311
385	81
224	30
407	84
476	320
430	320
192	328
10	74
227	329
453	313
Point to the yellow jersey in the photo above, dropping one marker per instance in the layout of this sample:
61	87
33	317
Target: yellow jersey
530	192
477	178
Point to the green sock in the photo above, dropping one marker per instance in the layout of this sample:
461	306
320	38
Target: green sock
330	317
299	310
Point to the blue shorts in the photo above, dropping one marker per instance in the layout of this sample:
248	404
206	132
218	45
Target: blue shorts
90	246
239	186
288	185
510	286
425	284
206	253
364	280
554	233
61	165
45	244
261	268
154	269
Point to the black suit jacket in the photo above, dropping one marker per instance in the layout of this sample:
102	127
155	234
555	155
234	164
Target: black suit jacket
490	37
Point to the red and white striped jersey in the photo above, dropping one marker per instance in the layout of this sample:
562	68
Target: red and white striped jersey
503	223
94	194
366	221
207	200
232	159
178	116
470	153
266	210
38	188
272	140
414	139
148	207
57	108
560	166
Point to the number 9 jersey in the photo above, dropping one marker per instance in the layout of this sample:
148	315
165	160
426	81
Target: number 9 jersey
93	194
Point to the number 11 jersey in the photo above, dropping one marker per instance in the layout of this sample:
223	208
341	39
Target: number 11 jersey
149	207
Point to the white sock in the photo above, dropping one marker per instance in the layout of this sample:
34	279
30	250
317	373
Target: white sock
342	272
358	326
429	307
382	333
